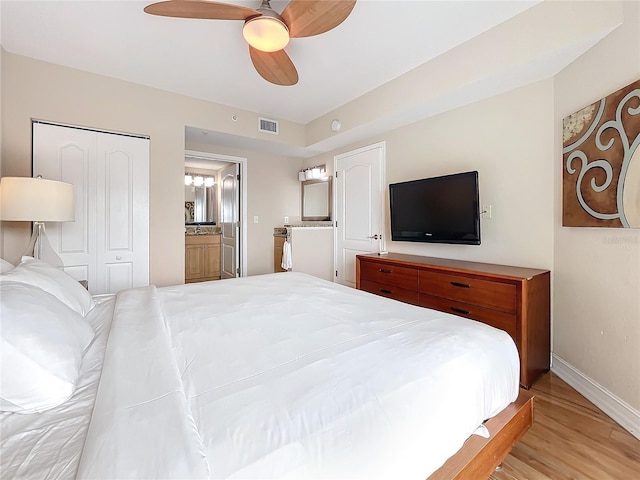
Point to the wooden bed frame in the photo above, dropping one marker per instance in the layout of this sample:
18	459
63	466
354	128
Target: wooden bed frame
479	457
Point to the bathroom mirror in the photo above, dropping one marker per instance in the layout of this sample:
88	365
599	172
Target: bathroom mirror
316	199
200	205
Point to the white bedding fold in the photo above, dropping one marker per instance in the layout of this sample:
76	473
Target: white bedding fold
141	425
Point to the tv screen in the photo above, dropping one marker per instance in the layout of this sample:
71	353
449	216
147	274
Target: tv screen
436	210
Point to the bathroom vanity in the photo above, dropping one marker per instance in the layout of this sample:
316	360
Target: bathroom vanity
201	257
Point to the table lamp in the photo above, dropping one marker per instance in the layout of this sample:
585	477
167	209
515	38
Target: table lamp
27	199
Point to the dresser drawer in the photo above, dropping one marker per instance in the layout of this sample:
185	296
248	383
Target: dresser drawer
390	275
484	293
501	320
390	291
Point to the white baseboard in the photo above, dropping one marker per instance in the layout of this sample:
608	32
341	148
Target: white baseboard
620	411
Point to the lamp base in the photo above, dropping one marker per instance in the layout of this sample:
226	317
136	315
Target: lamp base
40	248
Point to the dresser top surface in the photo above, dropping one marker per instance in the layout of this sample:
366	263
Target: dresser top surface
451	265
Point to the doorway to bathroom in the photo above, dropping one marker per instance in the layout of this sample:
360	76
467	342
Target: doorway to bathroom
230	214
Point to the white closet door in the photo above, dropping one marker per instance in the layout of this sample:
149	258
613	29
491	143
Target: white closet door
68	155
108	244
122	224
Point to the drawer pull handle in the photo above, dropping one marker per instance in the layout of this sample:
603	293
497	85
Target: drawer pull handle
461	285
459	310
384	270
384	290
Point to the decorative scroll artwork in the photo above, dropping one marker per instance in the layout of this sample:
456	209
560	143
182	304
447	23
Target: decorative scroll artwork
601	162
189	208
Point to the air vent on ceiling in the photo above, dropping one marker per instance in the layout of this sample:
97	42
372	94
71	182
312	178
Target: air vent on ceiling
268	126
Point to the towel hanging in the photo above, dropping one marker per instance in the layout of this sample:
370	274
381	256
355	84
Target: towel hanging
286	255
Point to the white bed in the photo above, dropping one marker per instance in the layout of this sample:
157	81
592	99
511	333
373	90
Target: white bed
274	376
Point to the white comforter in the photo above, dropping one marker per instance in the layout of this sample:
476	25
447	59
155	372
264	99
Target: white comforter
277	376
288	376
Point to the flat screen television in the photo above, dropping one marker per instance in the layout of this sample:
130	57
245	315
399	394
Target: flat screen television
436	210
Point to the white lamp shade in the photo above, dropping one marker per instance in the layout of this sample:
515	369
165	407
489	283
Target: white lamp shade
30	199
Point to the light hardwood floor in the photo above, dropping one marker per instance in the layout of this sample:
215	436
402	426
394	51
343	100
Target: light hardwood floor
570	439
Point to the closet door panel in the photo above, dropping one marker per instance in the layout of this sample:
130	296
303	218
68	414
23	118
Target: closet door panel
118	275
68	155
118	203
123	207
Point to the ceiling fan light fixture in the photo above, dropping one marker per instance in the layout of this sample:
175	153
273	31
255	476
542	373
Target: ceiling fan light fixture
266	33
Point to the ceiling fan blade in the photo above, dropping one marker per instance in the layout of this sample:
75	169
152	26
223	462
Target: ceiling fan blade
200	9
306	18
274	67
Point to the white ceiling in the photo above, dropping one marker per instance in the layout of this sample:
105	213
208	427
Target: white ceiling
381	44
209	59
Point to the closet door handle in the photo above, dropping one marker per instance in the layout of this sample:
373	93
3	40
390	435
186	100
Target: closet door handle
461	285
459	310
384	270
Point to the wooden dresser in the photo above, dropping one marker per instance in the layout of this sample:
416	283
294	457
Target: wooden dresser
201	258
514	299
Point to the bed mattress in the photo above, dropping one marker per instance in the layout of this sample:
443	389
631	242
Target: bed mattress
289	376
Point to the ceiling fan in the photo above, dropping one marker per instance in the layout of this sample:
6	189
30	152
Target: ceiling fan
266	31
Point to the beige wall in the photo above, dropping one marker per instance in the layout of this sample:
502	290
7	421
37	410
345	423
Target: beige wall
512	149
597	270
40	90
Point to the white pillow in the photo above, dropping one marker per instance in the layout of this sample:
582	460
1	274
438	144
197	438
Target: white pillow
5	266
52	280
42	341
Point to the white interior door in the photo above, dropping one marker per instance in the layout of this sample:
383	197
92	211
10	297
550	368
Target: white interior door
108	243
359	208
230	205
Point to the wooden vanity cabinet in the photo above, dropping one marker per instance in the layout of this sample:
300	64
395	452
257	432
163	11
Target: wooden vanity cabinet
513	299
201	258
278	245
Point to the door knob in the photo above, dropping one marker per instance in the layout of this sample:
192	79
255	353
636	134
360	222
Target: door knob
375	237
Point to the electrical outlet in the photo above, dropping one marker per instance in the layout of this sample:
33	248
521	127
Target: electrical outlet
286	220
255	219
487	211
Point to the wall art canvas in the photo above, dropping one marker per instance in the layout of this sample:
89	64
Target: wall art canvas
601	162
